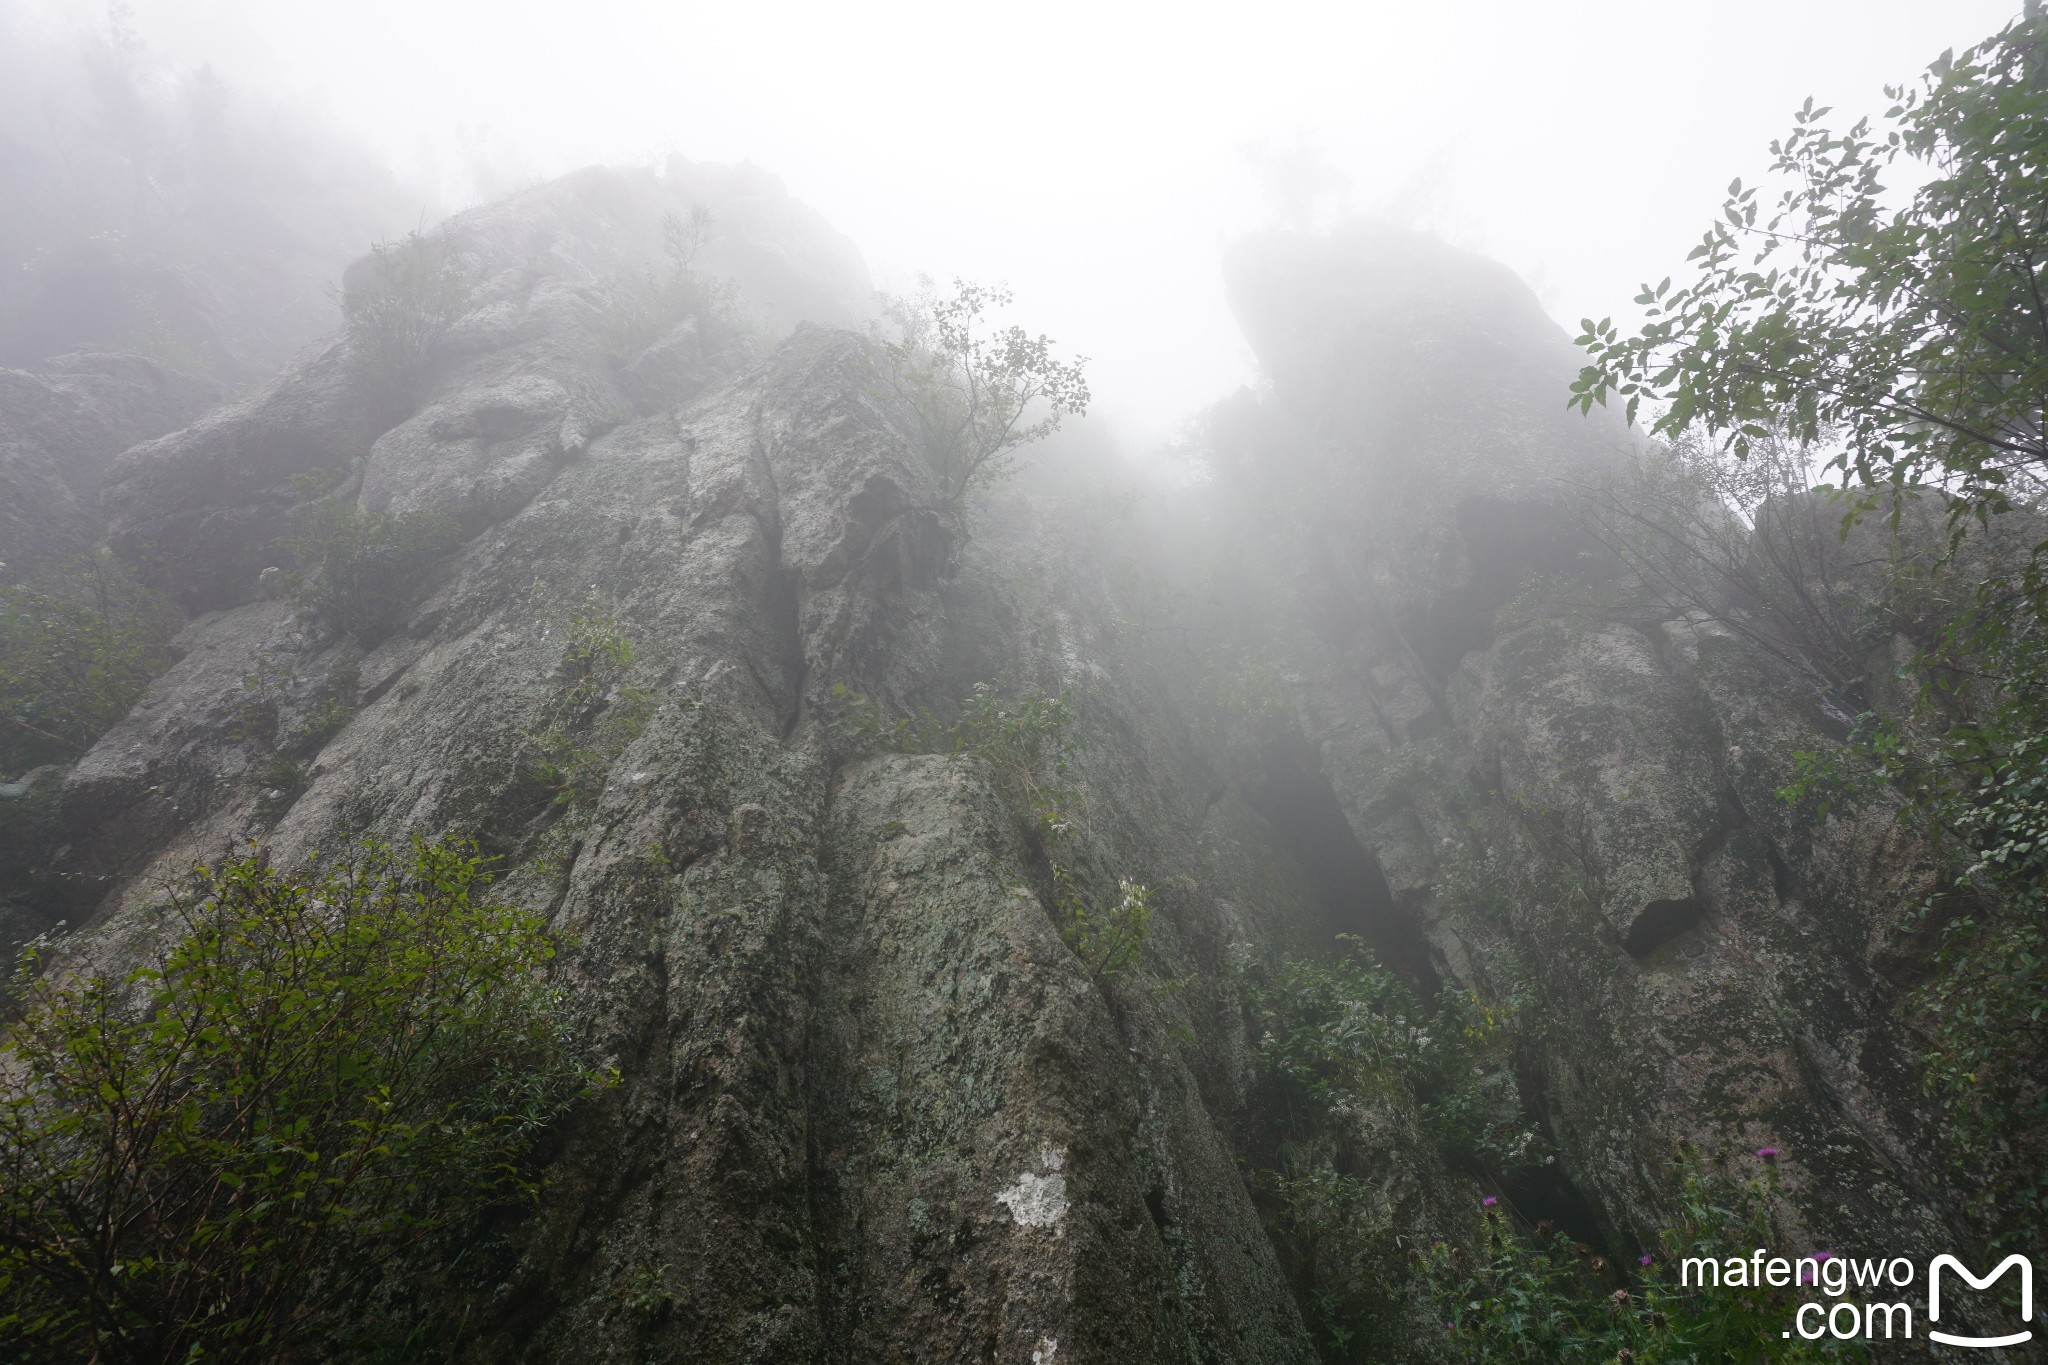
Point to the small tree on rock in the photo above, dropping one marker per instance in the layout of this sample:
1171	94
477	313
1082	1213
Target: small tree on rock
973	389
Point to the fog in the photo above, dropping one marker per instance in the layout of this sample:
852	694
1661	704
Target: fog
1094	157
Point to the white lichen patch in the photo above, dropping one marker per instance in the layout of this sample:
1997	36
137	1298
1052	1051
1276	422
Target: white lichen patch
1039	1198
1045	1352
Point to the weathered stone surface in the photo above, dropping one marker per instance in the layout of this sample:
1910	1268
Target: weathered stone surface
871	1105
61	425
196	511
520	384
871	1102
694	355
1575	804
483	451
1586	735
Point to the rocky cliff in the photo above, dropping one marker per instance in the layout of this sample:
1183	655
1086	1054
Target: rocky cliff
872	1105
1573	796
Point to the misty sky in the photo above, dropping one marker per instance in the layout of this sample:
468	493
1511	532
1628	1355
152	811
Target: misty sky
1095	155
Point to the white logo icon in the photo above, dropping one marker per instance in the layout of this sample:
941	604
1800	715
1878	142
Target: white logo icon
2026	1298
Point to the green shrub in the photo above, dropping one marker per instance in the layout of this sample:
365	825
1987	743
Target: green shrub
1028	743
358	570
1536	1295
1106	938
1346	1030
77	649
1540	1297
222	1155
641	309
418	289
1349	1033
1885	313
1971	765
645	1294
592	715
968	387
1342	1232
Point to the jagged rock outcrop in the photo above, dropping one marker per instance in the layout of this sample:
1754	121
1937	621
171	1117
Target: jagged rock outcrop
61	426
871	1100
871	1104
531	373
1573	796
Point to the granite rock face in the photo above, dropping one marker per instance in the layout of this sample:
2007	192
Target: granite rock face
527	377
61	426
1573	798
871	1103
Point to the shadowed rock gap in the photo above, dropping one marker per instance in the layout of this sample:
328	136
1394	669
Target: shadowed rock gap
1659	923
1346	879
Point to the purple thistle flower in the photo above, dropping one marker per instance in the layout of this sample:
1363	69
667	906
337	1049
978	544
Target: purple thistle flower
1823	1256
1644	1260
1767	1153
1488	1202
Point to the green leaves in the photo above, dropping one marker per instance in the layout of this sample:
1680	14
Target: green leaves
321	1072
1538	1296
77	648
1907	332
1348	1030
970	390
1911	327
415	291
1106	937
592	714
358	569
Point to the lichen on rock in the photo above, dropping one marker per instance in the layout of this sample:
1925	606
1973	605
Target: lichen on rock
871	1104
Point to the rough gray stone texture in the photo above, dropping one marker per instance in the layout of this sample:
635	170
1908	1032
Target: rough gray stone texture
870	1104
1575	806
195	512
523	382
61	425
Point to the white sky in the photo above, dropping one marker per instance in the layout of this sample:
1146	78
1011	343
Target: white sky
1092	154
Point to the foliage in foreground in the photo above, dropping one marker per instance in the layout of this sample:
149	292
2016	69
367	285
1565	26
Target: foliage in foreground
1904	332
1910	330
1540	1296
77	648
970	388
227	1152
1970	761
1340	1040
1347	1035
